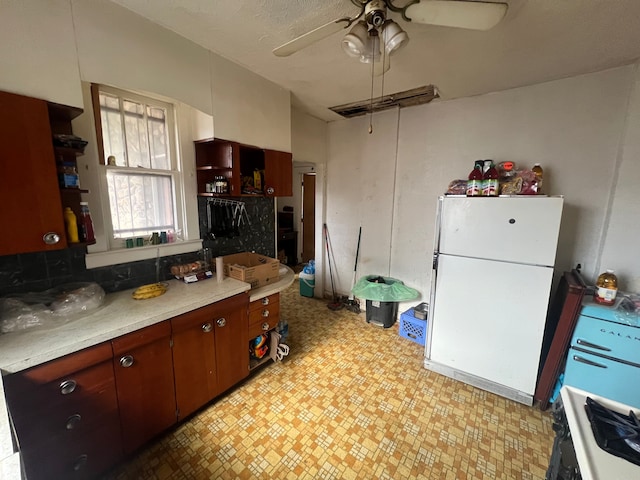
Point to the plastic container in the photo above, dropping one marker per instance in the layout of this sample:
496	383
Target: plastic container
474	184
490	182
412	328
606	288
307	284
71	223
87	233
537	169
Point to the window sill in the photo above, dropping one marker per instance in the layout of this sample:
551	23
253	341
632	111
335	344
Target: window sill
113	257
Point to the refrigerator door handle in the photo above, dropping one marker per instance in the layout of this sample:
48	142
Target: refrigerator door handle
435	261
584	343
580	359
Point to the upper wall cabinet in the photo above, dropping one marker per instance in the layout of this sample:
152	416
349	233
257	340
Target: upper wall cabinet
31	205
230	168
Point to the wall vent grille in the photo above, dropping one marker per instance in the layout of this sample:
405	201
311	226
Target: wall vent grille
408	98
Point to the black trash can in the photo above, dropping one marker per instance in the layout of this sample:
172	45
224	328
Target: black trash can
382	314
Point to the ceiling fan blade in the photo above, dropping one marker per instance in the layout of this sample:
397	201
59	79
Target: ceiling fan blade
461	14
308	38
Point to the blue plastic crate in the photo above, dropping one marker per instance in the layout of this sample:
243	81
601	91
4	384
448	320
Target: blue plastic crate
413	328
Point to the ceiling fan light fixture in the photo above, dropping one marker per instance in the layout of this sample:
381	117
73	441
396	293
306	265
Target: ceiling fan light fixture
371	52
393	36
355	42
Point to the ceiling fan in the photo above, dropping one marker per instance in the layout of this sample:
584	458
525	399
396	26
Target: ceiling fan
364	39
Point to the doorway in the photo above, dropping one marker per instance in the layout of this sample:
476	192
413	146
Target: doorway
308	218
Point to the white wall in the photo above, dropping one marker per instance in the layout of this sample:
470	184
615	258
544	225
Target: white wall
49	47
574	127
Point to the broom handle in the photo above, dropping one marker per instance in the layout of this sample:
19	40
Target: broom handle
355	267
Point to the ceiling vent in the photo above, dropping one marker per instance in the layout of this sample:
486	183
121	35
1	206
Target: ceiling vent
408	98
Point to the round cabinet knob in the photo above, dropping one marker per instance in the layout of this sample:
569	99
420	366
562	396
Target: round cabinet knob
221	322
67	387
126	361
265	326
73	421
80	462
512	221
265	313
51	238
206	327
265	301
271	190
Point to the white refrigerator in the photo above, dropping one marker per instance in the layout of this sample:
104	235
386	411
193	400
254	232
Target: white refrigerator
492	273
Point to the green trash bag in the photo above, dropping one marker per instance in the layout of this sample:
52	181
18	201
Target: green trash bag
383	289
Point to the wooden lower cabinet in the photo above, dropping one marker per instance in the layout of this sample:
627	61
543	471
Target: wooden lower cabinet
65	414
144	383
209	353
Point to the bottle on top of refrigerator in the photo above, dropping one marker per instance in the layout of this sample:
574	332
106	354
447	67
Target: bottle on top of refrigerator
537	169
606	288
474	184
490	181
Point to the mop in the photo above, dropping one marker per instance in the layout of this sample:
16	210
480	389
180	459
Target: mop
335	303
352	303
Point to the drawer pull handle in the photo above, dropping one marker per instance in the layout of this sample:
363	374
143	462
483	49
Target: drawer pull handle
73	421
126	361
80	462
588	362
67	387
221	322
51	238
265	301
265	313
584	343
265	326
207	327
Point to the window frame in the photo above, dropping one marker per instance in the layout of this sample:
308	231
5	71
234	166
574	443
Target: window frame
177	168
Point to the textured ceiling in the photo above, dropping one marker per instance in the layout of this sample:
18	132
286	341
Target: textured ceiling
538	40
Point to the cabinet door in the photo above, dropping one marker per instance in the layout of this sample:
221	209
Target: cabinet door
231	334
194	359
278	173
30	198
144	383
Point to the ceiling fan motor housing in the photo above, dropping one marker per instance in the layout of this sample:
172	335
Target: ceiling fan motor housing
375	13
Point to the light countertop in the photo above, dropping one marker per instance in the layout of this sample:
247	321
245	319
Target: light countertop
120	314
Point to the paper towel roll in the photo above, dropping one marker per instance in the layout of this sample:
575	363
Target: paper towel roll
219	269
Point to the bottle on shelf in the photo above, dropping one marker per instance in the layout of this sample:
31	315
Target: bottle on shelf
71	223
87	233
537	169
490	181
606	288
474	184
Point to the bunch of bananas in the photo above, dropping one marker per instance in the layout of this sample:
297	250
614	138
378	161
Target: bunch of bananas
151	290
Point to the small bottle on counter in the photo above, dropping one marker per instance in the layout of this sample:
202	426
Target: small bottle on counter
606	288
87	233
71	223
490	181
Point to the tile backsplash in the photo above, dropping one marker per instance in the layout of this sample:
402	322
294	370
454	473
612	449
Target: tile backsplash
36	272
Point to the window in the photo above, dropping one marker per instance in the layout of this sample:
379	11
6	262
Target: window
143	172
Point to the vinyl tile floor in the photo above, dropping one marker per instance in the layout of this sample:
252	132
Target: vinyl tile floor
351	401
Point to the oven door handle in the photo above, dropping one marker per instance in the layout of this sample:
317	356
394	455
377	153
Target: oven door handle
584	343
580	359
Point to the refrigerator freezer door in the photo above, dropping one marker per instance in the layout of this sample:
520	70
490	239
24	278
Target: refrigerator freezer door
488	319
510	229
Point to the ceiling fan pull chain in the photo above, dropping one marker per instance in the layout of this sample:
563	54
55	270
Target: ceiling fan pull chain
373	65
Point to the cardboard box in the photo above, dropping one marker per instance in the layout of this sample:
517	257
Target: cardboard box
253	268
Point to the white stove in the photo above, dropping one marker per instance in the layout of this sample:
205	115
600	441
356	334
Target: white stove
594	462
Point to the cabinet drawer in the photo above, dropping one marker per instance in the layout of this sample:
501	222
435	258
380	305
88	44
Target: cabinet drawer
66	407
264	319
602	376
87	457
607	338
268	301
